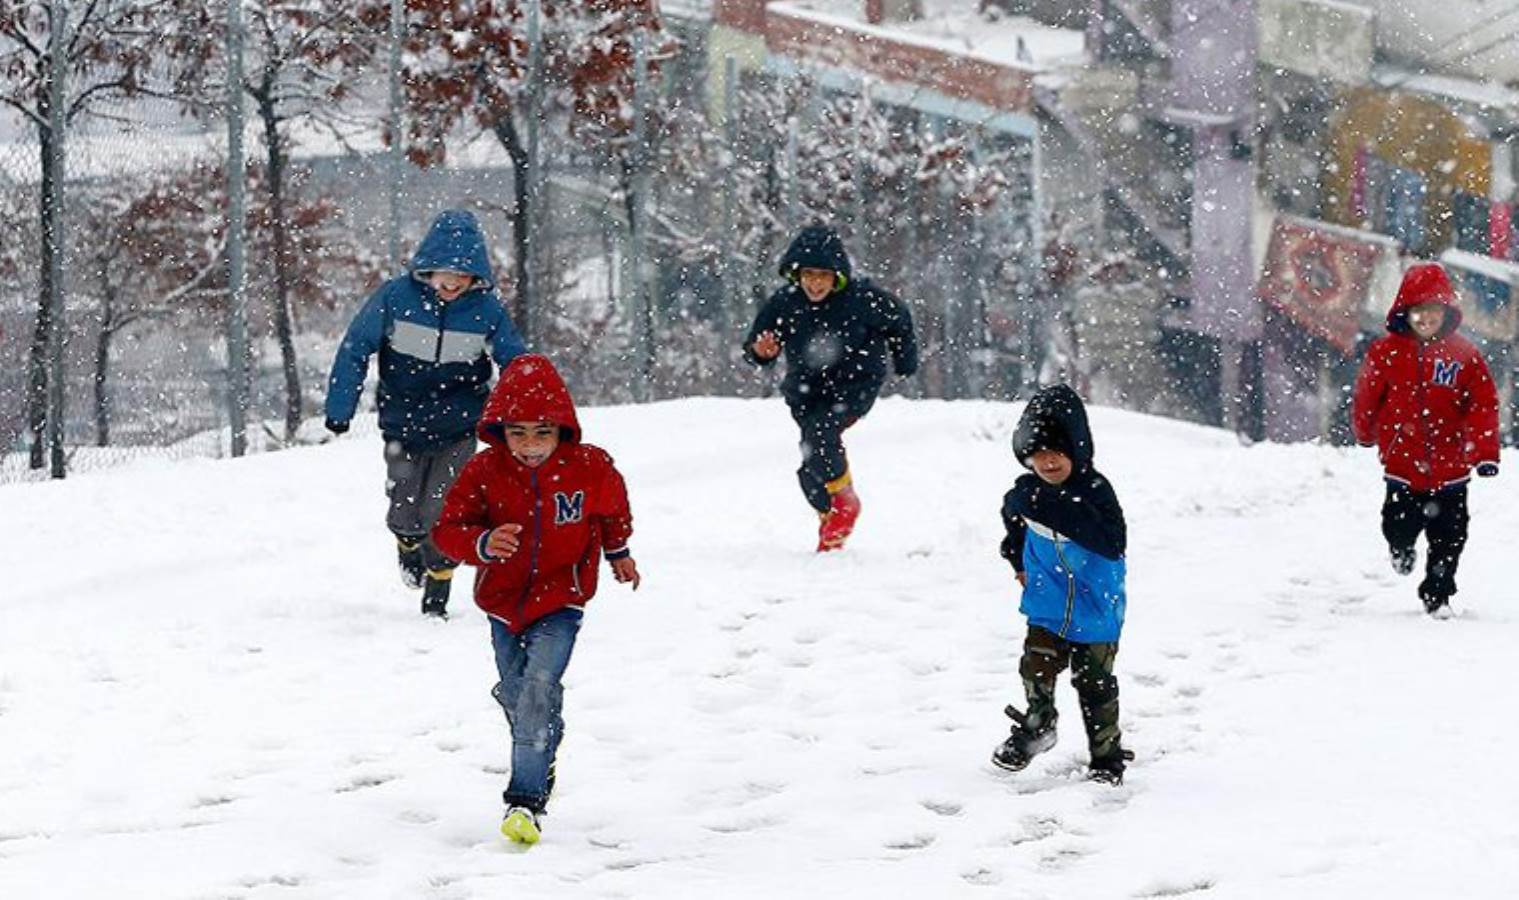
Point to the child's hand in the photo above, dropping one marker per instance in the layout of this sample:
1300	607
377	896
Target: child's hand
625	570
766	346
503	541
1022	579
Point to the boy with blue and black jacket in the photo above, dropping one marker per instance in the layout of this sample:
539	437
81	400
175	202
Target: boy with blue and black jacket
437	329
1066	539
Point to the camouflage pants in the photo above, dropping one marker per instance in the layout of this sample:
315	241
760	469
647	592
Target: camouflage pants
1045	656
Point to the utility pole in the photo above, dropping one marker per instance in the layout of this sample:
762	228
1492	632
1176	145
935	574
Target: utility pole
395	157
238	382
58	44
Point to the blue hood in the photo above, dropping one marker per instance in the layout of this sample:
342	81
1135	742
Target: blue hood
454	242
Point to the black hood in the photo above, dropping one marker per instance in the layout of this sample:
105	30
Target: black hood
1055	419
816	247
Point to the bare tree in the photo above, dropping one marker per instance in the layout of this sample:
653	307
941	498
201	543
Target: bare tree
110	50
469	64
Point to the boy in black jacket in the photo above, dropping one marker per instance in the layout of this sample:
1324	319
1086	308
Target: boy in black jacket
1066	539
837	333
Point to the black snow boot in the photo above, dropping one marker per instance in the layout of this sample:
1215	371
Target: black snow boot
1023	745
1109	770
409	559
435	592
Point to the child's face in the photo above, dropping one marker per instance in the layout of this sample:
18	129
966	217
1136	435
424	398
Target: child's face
1051	465
1426	320
449	285
817	284
532	442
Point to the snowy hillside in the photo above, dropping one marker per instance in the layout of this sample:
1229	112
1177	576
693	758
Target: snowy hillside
213	685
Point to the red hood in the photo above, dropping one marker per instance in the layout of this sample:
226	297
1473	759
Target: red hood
1424	283
530	390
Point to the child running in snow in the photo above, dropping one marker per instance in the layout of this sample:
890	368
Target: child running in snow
1066	539
535	511
837	333
1425	398
436	329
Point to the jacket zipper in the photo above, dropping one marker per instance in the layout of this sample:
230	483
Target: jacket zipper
1429	453
437	353
532	566
1070	589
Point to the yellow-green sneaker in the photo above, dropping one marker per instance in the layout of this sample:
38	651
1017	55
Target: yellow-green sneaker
520	826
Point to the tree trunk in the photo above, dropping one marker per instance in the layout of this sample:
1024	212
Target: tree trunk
37	365
522	305
102	395
280	227
103	367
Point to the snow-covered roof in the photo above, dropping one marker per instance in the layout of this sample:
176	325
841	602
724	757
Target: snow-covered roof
1486	266
1479	38
1485	95
690	9
955	27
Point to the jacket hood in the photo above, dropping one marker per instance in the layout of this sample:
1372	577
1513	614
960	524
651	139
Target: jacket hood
1055	419
530	390
816	247
1424	283
454	242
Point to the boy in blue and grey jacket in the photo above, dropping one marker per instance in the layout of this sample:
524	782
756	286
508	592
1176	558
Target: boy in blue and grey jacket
436	328
1066	539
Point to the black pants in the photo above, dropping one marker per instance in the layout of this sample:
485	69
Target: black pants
822	419
1442	517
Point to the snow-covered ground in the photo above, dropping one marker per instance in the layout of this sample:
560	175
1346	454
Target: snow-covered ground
213	685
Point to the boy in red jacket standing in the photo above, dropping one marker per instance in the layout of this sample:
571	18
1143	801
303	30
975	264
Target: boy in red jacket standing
1426	399
535	512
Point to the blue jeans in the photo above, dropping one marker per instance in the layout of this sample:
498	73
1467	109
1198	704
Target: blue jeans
531	666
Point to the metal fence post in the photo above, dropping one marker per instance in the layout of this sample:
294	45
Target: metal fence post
395	156
1034	265
728	270
58	44
531	315
639	296
238	381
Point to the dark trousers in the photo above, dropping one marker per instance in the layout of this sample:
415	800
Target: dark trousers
822	419
1442	517
416	482
1045	656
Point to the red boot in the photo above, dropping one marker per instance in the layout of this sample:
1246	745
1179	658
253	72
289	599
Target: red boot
838	522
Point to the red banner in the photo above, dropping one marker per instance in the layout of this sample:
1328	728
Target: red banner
1318	278
1499	229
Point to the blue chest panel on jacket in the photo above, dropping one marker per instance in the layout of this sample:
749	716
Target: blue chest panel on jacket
1072	591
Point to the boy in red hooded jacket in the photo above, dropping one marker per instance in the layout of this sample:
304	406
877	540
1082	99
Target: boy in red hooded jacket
1425	397
535	512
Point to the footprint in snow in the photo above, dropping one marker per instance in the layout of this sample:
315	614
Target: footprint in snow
982	876
1064	857
942	807
919	841
364	782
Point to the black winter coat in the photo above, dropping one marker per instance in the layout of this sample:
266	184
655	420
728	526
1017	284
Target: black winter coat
840	345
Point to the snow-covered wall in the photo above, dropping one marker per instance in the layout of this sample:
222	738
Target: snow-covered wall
1477	38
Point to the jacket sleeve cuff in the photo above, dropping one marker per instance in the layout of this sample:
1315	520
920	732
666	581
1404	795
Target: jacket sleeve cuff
620	553
480	545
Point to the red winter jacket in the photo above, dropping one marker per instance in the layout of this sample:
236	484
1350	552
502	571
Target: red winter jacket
573	507
1430	407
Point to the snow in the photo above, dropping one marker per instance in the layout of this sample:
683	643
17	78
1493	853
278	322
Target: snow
213	685
955	27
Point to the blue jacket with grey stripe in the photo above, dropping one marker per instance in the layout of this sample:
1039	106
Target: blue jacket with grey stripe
1068	539
435	357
